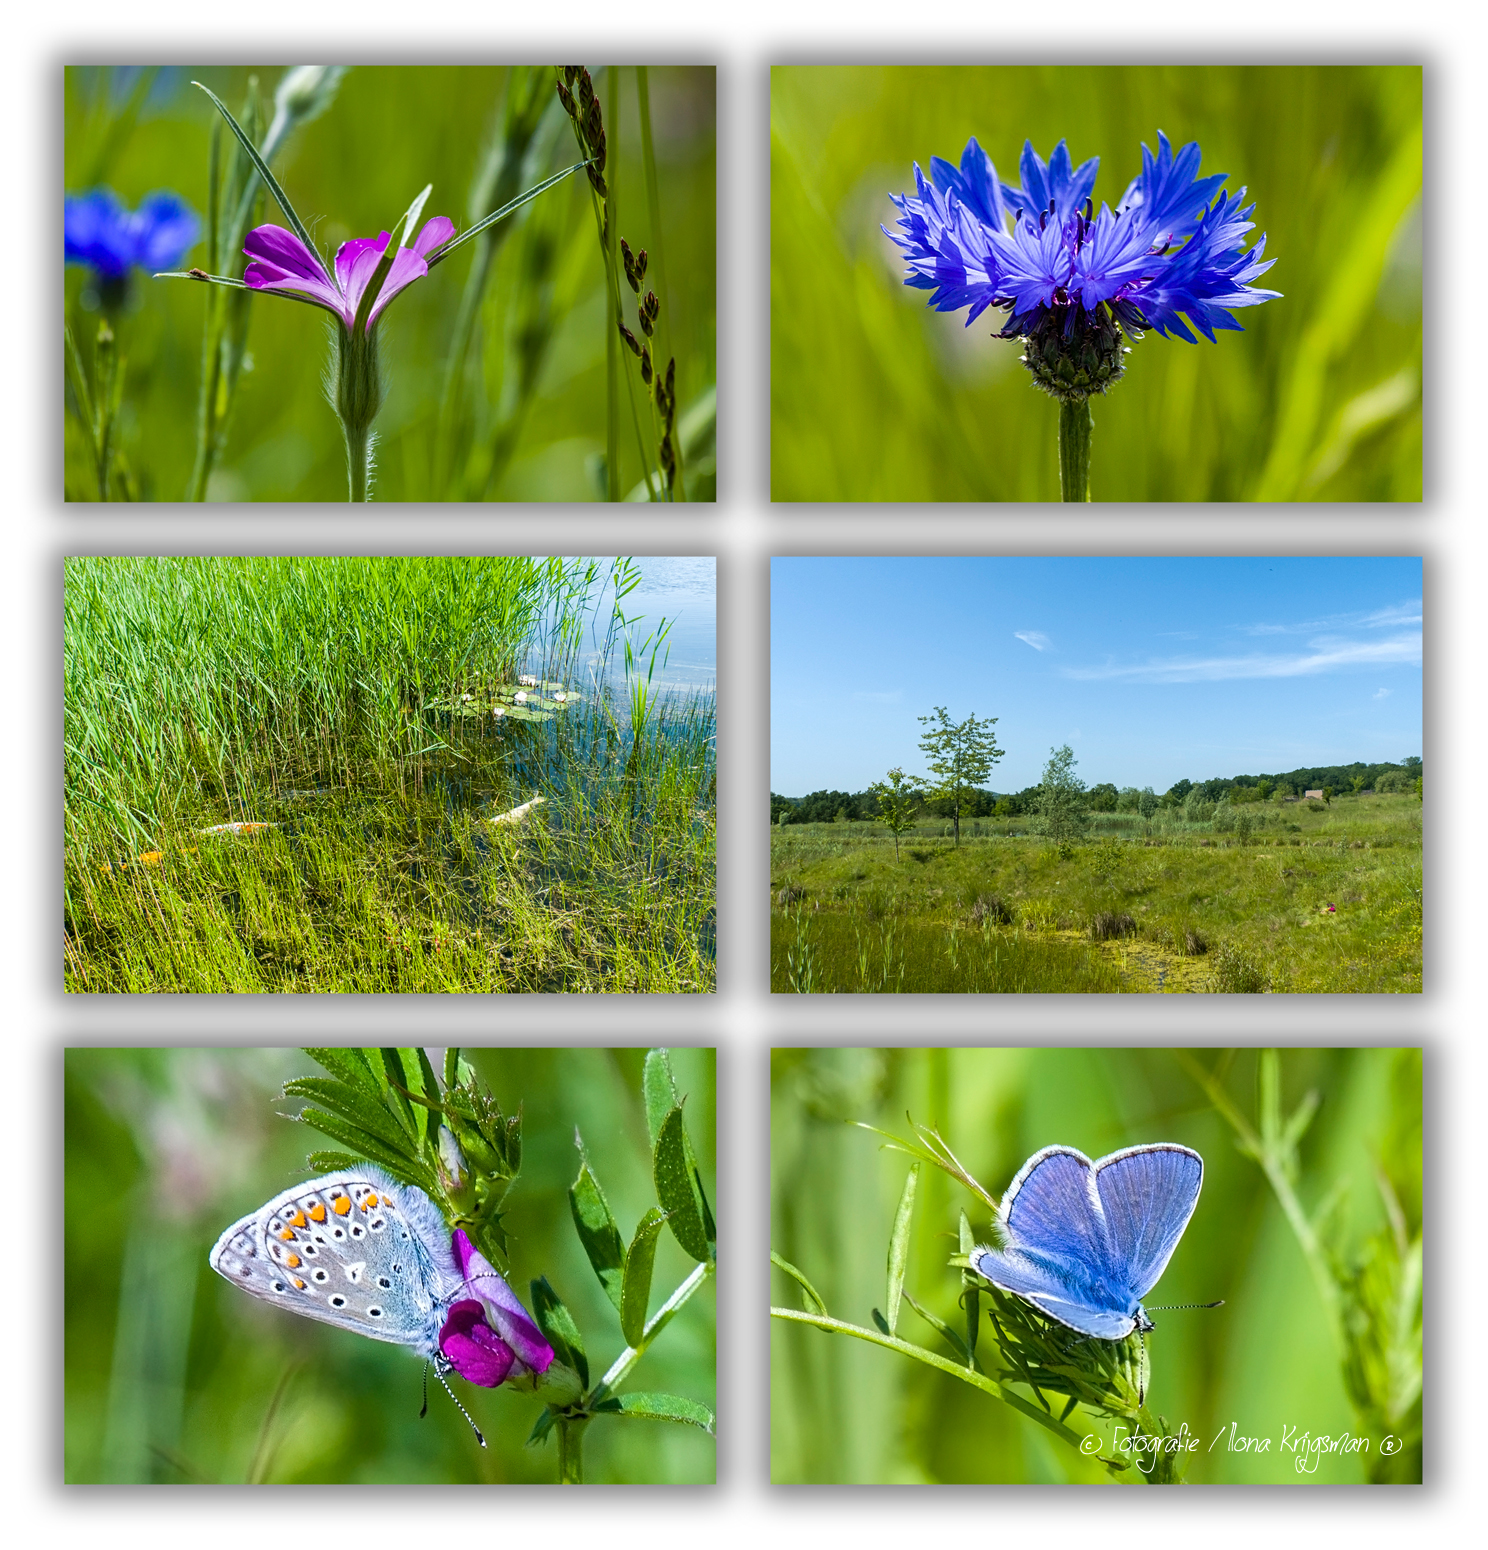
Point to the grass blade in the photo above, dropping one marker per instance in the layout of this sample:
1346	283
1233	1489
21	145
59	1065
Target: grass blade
439	254
280	197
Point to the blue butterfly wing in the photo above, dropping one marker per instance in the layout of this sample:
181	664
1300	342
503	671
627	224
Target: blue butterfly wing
1050	1210
1050	1292
1148	1194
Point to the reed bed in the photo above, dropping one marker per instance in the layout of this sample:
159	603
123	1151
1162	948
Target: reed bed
359	720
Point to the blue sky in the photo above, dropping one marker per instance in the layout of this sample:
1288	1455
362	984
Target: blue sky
1150	669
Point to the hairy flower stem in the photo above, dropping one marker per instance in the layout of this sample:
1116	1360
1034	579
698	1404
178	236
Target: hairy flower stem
1075	424
571	1451
356	394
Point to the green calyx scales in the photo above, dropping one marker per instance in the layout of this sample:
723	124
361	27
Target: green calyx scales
1089	361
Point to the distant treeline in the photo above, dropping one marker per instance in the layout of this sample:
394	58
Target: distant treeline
1336	779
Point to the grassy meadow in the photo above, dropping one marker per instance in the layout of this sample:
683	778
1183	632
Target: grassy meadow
371	726
172	1376
1135	905
874	397
503	367
1314	1340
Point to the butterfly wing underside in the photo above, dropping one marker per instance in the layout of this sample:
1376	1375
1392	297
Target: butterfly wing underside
353	1249
1148	1194
1060	1298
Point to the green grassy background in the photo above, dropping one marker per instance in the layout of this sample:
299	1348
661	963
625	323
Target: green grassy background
846	1411
351	173
875	397
169	1371
1203	911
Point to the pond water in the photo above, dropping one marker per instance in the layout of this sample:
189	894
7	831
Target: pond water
680	588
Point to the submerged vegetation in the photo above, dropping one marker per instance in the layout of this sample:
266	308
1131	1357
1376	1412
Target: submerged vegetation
1300	897
396	774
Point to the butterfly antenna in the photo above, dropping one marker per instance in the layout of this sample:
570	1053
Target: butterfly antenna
1178	1307
1142	1373
425	1410
458	1406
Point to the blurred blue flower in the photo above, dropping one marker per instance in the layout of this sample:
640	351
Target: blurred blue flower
98	231
1063	272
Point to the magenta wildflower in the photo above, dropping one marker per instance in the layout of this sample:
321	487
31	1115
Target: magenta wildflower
281	262
490	1337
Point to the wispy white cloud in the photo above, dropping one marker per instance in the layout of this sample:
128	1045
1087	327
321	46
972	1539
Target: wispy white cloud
1394	616
1325	655
1035	638
1382	694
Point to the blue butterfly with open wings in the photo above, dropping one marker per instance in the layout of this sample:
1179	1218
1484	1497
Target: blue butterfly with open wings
1084	1242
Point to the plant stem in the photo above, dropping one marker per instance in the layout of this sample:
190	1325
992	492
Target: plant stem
657	261
969	1375
571	1451
612	296
1075	424
658	1322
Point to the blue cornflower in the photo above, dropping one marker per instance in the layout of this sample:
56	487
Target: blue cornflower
1070	280
98	231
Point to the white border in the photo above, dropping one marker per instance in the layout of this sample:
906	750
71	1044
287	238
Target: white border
743	532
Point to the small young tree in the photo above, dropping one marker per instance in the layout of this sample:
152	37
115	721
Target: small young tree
960	755
899	799
1061	803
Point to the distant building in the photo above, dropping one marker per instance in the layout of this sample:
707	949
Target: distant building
1311	794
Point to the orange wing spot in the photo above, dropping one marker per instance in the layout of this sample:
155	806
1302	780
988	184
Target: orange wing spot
369	1200
341	1205
298	1219
317	1212
288	1235
291	1260
300	1285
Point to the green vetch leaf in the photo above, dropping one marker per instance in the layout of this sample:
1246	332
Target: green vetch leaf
971	1294
559	1328
781	1263
401	1165
541	1427
660	1090
949	1335
899	1248
351	1066
659	1407
352	1104
677	1188
596	1228
635	1290
333	1162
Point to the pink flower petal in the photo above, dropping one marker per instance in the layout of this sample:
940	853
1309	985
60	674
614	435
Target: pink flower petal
472	1348
437	230
506	1313
284	251
407	267
356	263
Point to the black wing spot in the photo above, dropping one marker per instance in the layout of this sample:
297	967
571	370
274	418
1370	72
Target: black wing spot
383	1282
338	1302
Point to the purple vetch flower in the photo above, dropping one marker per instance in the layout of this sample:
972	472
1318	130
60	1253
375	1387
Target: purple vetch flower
490	1337
1072	280
281	262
